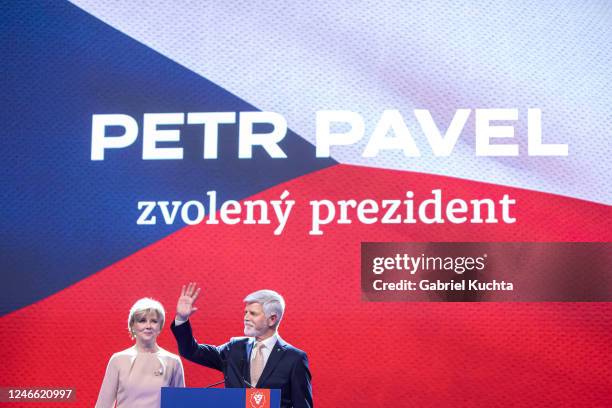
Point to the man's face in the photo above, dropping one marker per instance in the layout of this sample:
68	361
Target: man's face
255	322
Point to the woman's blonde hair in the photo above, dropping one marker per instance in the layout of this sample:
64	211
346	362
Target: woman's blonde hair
145	306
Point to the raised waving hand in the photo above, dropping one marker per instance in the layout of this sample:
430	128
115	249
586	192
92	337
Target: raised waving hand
186	302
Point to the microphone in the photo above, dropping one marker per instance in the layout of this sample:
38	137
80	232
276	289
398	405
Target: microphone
215	384
223	370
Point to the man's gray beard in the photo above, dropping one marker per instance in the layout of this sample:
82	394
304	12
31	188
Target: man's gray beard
254	332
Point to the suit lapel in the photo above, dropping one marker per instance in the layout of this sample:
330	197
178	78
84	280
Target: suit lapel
275	356
246	370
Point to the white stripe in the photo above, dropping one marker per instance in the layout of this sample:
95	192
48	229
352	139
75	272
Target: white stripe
299	57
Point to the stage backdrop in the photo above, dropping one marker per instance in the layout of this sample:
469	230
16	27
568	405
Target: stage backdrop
129	127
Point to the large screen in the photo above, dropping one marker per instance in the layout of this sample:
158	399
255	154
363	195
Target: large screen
323	150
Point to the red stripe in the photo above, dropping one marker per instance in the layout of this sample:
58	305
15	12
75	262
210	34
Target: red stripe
361	354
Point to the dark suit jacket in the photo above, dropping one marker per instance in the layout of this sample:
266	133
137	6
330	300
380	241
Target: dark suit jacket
286	369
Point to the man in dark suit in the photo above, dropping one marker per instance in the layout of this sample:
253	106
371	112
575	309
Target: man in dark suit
261	360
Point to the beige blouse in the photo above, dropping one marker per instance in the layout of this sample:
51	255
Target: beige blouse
134	379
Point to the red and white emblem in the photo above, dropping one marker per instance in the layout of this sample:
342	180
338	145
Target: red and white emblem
258	398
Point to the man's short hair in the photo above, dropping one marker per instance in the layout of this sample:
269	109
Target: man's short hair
271	301
145	306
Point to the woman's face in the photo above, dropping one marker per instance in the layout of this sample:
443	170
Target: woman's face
146	327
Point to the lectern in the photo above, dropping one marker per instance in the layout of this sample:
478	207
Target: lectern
219	397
